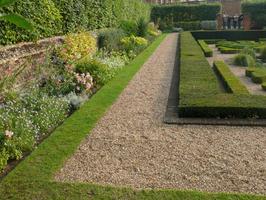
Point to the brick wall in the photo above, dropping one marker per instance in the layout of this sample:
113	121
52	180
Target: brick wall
231	7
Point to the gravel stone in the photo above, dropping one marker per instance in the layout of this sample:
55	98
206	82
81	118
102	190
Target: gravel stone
131	146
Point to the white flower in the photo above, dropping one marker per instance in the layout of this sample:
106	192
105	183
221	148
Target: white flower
9	134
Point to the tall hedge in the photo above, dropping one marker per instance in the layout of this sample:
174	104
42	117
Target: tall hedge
44	16
55	17
173	14
256	9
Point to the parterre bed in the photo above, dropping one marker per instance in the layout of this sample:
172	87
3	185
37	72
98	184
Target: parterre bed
199	92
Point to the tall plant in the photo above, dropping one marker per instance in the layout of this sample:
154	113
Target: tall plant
14	18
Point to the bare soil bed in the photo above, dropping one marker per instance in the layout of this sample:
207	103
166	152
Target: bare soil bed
131	146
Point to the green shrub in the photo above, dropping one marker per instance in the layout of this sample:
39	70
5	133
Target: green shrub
100	72
263	85
263	54
226	50
110	39
129	27
59	84
244	60
248	51
205	48
142	27
133	43
188	26
258	77
229	80
77	46
249	71
152	30
208	25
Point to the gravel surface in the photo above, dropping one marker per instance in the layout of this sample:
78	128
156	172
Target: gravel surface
130	146
238	71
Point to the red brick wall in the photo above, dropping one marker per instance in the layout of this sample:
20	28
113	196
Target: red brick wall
231	7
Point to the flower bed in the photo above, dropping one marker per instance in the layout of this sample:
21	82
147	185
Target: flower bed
35	100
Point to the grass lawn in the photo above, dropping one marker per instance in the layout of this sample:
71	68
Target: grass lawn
33	177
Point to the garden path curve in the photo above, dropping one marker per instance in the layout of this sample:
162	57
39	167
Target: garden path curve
131	146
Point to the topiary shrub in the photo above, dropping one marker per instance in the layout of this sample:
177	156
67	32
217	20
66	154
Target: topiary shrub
110	39
244	60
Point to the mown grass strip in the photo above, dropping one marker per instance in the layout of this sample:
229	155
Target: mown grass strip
232	83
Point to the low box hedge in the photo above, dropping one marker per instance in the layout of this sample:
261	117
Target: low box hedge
263	85
226	50
200	93
229	80
230	35
249	71
258	77
205	48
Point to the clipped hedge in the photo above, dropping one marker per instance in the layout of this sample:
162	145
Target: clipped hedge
257	11
193	25
205	48
200	94
56	17
230	35
43	14
229	80
170	15
249	71
258	77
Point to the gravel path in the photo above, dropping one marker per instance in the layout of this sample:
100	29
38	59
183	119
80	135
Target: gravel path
130	146
239	72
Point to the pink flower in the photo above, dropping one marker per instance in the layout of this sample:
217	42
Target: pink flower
8	134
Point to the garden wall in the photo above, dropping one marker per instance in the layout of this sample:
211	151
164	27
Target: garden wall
58	17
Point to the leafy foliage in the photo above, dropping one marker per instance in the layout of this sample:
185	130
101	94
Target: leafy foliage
77	46
44	16
54	17
172	14
99	71
14	18
244	60
134	43
257	11
110	39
